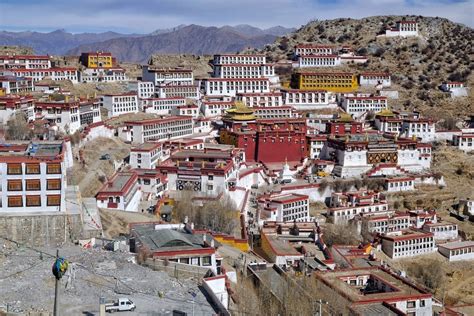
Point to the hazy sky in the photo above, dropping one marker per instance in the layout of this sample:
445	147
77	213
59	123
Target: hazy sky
143	16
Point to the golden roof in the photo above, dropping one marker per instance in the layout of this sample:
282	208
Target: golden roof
385	112
240	112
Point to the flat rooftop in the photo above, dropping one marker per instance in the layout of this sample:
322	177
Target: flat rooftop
288	198
281	247
45	150
335	279
457	244
145	146
166	239
118	183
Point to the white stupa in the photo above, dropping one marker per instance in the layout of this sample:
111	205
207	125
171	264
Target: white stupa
286	175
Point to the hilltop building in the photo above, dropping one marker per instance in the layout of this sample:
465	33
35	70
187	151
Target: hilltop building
403	29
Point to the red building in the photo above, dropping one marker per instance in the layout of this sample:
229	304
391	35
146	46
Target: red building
266	141
344	125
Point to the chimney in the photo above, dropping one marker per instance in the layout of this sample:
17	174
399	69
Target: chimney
204	238
212	243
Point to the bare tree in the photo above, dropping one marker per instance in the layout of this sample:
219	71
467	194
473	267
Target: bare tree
17	128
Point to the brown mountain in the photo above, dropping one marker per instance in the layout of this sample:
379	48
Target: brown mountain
192	39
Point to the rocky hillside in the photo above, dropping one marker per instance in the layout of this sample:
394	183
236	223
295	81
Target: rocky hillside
418	66
192	39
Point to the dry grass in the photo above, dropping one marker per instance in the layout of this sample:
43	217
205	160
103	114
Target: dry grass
87	175
115	223
457	286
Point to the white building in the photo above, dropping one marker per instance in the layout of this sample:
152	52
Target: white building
400	184
203	171
55	74
243	71
408	244
388	224
11	104
376	155
186	110
308	100
33	177
216	106
168	76
63	114
117	104
274	112
261	99
378	79
403	29
248	59
458	250
358	106
146	155
144	89
423	128
456	89
162	106
121	192
319	61
158	129
115	74
172	82
442	230
16	85
284	208
313	49
465	141
315	145
230	87
346	206
25	62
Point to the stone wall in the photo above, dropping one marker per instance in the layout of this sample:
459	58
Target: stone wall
39	230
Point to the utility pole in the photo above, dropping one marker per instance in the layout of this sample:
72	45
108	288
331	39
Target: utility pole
56	290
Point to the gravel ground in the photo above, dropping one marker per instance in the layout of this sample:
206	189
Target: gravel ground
27	284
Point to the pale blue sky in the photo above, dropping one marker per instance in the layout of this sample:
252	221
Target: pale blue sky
143	16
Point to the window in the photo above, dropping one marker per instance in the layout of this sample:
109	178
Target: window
206	261
195	261
411	304
211	177
33	200
15	201
33	185
14	168
53	168
53	184
422	303
14	185
32	168
210	187
54	200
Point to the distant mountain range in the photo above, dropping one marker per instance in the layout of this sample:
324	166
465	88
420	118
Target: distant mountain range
190	39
